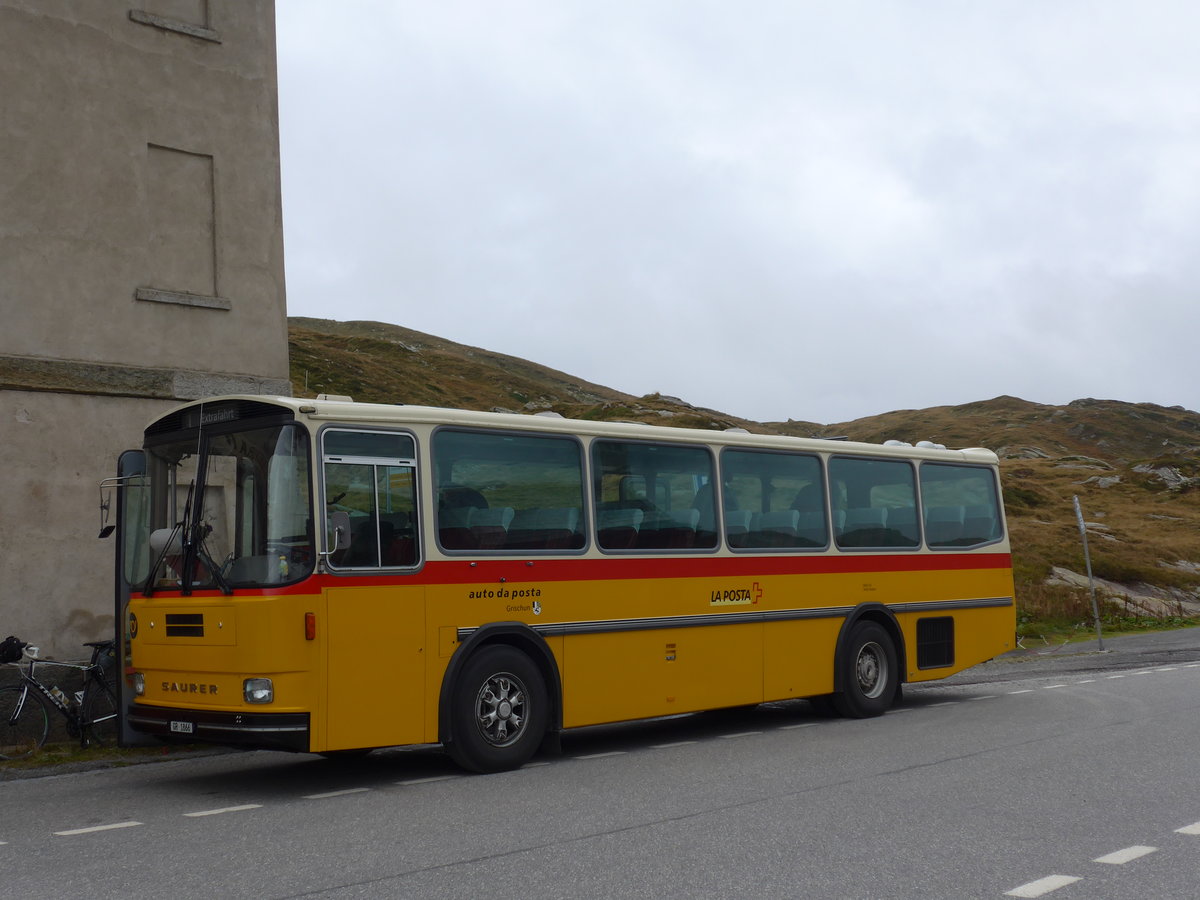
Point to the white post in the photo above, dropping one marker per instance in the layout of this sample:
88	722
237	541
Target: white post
1087	558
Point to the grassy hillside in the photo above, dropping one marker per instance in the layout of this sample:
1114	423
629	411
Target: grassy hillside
1134	467
379	363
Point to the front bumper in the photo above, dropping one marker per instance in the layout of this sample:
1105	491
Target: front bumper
265	731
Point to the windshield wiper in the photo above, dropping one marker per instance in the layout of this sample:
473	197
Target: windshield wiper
204	557
148	587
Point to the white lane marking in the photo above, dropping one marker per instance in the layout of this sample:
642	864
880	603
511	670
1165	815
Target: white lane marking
1120	857
740	734
329	794
681	743
602	755
985	697
1194	828
1024	691
1042	886
1166	669
943	703
1192	666
225	809
1086	681
1111	677
97	828
808	724
1051	687
429	779
530	765
1144	672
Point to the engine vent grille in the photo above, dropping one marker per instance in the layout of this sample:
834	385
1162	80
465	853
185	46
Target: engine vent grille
935	642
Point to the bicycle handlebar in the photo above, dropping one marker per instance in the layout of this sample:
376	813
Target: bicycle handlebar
13	649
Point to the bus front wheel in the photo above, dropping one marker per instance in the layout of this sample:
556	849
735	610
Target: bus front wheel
870	675
499	711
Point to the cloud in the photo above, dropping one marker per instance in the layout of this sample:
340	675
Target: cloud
778	211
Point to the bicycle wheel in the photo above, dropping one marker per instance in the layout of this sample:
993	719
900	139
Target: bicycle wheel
99	714
24	722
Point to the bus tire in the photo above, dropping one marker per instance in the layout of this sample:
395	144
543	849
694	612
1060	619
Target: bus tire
499	710
869	672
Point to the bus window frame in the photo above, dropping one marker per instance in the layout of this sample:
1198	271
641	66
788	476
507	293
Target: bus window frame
594	473
997	506
826	500
913	467
585	510
418	513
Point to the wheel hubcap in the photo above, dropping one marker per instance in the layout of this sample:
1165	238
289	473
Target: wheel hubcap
500	709
871	669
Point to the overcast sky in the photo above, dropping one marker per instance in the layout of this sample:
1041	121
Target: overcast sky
801	210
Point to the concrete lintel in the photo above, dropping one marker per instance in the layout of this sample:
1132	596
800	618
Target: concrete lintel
24	373
144	18
152	295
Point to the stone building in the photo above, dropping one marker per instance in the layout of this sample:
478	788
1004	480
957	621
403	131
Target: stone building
141	264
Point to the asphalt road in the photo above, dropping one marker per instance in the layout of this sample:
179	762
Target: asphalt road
1063	775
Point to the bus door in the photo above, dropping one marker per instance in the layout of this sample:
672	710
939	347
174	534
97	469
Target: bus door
375	614
130	490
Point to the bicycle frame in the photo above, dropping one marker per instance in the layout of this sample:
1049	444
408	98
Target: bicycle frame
73	714
29	679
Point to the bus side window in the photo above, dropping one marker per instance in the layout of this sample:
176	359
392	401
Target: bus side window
875	502
370	478
961	505
782	495
669	484
508	493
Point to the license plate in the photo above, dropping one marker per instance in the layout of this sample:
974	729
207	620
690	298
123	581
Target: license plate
183	727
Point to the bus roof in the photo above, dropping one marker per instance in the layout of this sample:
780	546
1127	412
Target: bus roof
329	410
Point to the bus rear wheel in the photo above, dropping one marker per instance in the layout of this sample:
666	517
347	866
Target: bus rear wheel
499	711
870	675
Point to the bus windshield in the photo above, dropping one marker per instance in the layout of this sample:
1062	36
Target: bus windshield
228	509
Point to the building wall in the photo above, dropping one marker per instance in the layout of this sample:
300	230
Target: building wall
141	264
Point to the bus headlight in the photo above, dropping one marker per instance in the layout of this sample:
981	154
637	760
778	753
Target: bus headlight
258	690
139	684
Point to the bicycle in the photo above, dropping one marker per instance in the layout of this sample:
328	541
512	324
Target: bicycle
91	713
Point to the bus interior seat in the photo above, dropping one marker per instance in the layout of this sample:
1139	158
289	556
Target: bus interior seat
454	527
903	521
980	524
943	524
864	527
489	527
617	529
737	526
364	542
560	526
398	544
810	529
555	528
774	529
706	523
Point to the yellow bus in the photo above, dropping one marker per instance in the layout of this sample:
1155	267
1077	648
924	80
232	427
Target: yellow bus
323	575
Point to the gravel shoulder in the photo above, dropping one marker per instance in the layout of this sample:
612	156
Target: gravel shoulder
1127	651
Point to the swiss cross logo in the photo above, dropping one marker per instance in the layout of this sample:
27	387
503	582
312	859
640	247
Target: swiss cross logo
758	592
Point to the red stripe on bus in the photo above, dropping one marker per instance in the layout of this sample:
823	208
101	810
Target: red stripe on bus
529	570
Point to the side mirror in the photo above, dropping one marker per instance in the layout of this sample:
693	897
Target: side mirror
339	526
